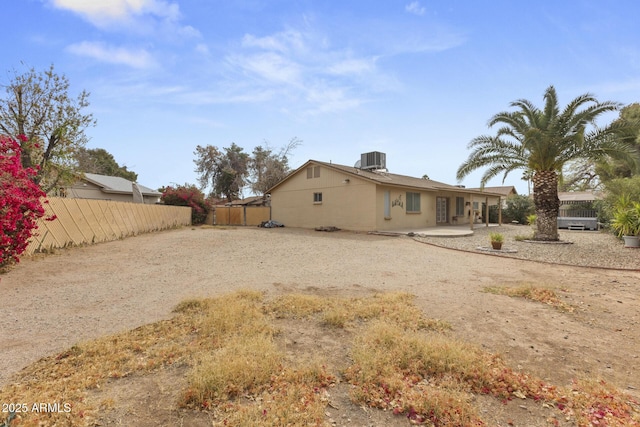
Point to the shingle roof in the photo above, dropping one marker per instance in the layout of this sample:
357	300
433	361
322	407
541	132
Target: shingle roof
504	190
386	178
115	184
247	201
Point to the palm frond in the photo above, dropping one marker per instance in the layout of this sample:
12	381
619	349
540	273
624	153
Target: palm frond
545	140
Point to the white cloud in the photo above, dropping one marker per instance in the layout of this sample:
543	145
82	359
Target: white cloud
138	58
99	12
159	18
189	32
330	100
415	8
269	66
305	69
352	66
284	41
202	48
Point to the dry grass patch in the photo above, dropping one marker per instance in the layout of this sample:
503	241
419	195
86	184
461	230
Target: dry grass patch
246	380
297	306
542	294
401	362
430	378
66	377
338	312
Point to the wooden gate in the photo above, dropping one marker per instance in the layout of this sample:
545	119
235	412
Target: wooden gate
242	215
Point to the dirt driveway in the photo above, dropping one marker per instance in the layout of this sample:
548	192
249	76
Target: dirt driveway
50	303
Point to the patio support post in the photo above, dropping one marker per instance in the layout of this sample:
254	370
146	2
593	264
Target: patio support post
486	211
471	211
499	210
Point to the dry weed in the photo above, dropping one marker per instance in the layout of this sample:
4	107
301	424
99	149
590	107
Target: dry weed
541	294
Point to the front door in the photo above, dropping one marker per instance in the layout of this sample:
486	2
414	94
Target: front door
442	214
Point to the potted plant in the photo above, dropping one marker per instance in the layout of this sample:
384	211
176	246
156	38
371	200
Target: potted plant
626	221
496	240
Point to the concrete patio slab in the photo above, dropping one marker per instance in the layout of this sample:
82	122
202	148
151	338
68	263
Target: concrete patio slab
440	231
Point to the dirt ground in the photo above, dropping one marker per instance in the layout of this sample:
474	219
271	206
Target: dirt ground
52	302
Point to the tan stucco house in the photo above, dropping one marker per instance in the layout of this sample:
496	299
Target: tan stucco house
103	187
321	194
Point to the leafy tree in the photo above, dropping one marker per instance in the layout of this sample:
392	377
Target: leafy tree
608	168
225	173
580	175
585	174
544	141
100	161
20	202
38	105
268	168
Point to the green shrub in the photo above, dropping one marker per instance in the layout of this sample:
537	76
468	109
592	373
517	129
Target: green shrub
496	237
518	208
614	190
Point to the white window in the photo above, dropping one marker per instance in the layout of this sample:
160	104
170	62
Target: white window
460	206
317	197
413	202
387	204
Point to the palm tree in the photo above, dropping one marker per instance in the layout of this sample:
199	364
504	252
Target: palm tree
543	141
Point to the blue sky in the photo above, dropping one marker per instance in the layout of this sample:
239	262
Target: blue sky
416	80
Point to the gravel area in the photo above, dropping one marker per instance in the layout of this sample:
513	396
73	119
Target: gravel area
582	248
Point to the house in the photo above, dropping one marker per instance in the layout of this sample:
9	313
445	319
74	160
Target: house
103	187
505	191
366	197
248	201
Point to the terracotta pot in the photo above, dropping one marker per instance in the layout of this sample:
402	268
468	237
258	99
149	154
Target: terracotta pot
496	245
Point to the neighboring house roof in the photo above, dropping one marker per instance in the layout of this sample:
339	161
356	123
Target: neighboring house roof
247	201
505	190
579	196
115	184
392	179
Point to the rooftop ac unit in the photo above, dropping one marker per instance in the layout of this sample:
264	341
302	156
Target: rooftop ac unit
373	160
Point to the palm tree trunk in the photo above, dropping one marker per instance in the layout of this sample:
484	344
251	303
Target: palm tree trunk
545	198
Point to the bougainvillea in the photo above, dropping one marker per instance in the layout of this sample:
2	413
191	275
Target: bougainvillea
187	195
20	202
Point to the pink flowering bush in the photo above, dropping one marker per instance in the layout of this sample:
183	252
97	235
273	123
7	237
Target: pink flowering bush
187	195
20	205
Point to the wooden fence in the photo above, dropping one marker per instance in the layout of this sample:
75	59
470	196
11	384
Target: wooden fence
241	215
84	221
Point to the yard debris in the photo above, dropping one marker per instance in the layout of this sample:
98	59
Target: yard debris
325	228
270	224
